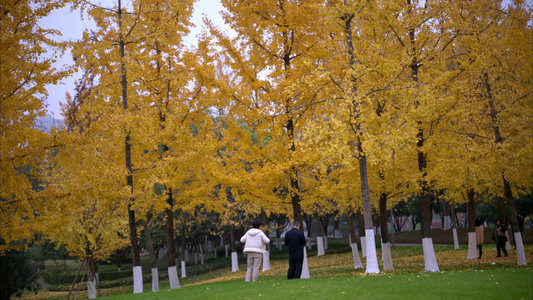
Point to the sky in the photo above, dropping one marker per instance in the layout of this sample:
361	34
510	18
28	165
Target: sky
72	26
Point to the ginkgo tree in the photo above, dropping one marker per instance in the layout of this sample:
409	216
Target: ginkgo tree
128	38
84	212
270	83
493	116
27	65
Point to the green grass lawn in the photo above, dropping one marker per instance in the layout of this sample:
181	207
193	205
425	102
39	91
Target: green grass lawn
333	277
491	284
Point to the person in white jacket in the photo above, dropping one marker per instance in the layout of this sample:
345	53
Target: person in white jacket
255	242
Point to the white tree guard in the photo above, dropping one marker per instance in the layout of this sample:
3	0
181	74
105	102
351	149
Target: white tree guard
447	223
201	258
137	280
308	243
472	246
371	255
430	260
234	262
455	239
520	252
356	259
173	277
266	261
278	243
91	289
386	256
183	269
155	280
305	267
320	246
363	245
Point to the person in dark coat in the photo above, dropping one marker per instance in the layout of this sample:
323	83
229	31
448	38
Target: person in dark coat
296	242
501	237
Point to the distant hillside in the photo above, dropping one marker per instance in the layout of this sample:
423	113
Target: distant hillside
47	122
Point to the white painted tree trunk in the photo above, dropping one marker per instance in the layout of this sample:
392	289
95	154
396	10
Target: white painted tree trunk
309	244
363	245
455	239
155	280
508	243
161	253
326	244
201	258
447	223
137	280
173	278
520	252
371	255
266	261
195	258
386	256
430	260
278	243
91	289
209	246
305	267
234	262
356	259
183	269
226	249
320	246
472	246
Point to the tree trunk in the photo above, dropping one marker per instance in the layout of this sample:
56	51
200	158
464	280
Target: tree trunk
385	243
293	174
519	244
153	258
234	257
135	253
472	244
446	223
183	246
91	277
266	256
454	226
171	248
353	242
362	233
319	236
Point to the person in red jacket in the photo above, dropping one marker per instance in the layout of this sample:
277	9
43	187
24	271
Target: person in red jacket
255	242
295	240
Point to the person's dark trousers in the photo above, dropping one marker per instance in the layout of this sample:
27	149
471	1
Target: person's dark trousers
501	247
295	267
480	247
